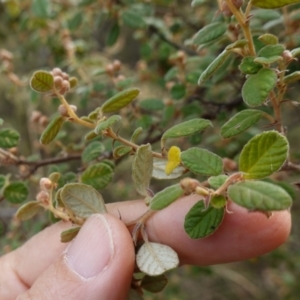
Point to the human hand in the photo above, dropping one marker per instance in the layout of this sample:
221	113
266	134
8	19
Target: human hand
99	263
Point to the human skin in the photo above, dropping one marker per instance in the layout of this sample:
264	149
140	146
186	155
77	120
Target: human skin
45	268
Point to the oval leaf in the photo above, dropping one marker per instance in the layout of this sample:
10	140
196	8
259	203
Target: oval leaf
9	138
200	222
16	192
42	82
209	33
82	200
240	122
120	100
121	151
257	87
201	161
186	128
133	19
165	197
249	66
271	50
155	259
142	169
159	167
28	210
52	130
154	284
268	39
263	155
92	151
98	175
259	195
216	181
68	235
107	123
272	3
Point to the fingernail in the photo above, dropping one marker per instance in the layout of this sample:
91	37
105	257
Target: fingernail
92	249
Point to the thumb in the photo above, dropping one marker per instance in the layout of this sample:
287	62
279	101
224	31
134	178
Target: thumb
98	264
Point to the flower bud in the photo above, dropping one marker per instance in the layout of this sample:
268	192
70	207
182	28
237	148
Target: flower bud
35	116
57	72
43	121
287	56
45	184
65	76
63	111
58	81
225	9
109	69
43	197
116	65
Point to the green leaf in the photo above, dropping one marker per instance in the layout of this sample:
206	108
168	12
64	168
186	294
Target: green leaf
268	39
52	130
41	8
133	20
240	122
121	151
152	104
295	52
165	197
218	201
201	161
142	169
295	76
92	151
69	234
186	128
259	195
28	210
268	61
209	33
271	50
2	182
9	138
1	121
200	222
159	167
214	66
16	192
42	81
257	87
249	66
197	2
154	284
90	135
216	181
273	3
113	35
136	134
263	155
120	100
178	91
82	200
98	175
107	123
75	21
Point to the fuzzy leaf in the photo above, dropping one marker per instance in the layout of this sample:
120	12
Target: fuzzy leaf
218	201
154	284
165	197
268	39
173	160
16	192
201	161
159	167
257	87
107	123
268	60
69	234
52	130
121	151
249	66
271	50
97	175
273	3
92	151
155	259
142	169
295	76
136	134
263	155
259	195
216	181
120	100
82	200
240	122
209	33
200	222
42	82
9	138
28	210
133	19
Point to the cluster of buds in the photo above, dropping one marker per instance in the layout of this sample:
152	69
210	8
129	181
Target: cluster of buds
226	10
113	68
61	80
38	118
6	58
63	110
43	196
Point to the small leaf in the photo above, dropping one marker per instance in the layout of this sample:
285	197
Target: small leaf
42	82
54	177
259	195
295	76
237	44
152	104
178	91
121	151
249	66
216	181
154	284
107	123
16	192
218	201
209	33
9	138
268	39
240	122
97	175
257	87
295	52
186	128
263	155
214	66
120	100
82	200
155	259
142	169
173	160
200	222
201	161
52	130
159	167
197	2
165	197
91	135
113	35
268	61
69	234
2	182
73	82
136	134
92	151
271	50
41	8
273	3
28	210
133	19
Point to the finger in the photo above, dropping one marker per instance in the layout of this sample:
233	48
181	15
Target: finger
242	234
101	255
